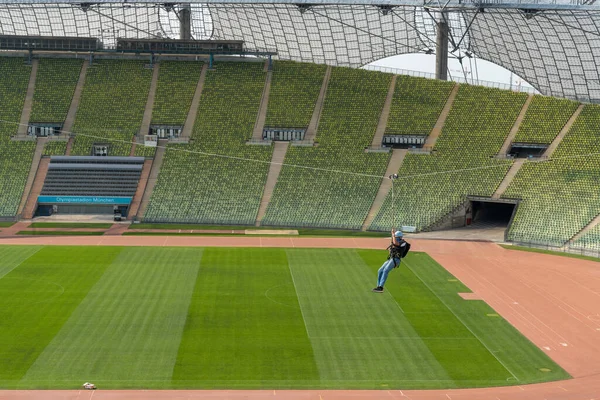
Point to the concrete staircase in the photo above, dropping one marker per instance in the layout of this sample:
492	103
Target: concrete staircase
133	146
152	178
437	128
69	146
116	230
311	131
70	119
276	164
147	120
26	113
139	193
562	133
259	125
33	173
36	189
394	165
385	114
510	175
12	230
593	223
191	117
515	128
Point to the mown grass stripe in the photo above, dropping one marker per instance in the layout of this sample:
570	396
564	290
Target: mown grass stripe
130	324
515	352
39	296
466	359
457	316
244	326
244	323
12	256
356	334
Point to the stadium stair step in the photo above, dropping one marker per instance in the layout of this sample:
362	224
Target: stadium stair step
508	178
188	126
437	128
147	119
550	150
70	119
393	167
35	189
141	188
311	132
385	114
27	106
12	230
152	178
116	230
69	146
133	146
593	224
262	111
276	163
513	132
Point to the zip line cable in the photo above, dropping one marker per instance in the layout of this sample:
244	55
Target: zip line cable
400	177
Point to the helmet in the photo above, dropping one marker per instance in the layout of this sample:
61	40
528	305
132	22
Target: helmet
398	234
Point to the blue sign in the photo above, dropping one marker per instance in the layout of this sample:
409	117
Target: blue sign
84	200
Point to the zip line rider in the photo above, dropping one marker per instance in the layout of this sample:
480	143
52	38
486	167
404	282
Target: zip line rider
398	250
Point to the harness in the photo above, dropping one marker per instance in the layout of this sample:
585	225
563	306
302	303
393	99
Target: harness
395	253
398	252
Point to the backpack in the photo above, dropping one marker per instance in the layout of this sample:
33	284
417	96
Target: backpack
405	249
399	251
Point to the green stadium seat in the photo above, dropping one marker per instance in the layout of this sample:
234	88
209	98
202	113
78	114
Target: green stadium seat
560	197
417	105
15	156
313	197
462	164
112	106
294	92
225	189
544	119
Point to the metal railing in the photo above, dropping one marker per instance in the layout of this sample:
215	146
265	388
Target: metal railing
568	247
459	79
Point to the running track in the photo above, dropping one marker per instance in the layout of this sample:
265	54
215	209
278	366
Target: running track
554	301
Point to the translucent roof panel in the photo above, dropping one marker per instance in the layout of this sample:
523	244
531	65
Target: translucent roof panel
556	51
337	35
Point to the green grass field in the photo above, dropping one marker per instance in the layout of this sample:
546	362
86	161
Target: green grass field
313	232
34	232
70	225
128	317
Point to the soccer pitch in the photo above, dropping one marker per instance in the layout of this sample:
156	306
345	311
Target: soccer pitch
234	318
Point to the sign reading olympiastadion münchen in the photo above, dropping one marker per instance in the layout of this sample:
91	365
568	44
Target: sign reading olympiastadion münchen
83	200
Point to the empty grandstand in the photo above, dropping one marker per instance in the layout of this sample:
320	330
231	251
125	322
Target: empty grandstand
194	186
326	192
560	197
416	106
432	185
89	185
112	106
218	178
133	87
15	156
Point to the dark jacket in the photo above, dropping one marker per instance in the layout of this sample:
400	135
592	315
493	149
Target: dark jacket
400	250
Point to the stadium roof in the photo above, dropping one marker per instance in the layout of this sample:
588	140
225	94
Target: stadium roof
453	4
554	45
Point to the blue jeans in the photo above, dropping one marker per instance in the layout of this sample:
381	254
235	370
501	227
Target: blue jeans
385	269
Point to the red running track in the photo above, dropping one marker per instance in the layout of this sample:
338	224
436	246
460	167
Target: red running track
554	301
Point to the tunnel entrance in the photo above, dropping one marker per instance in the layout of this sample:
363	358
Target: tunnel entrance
490	214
